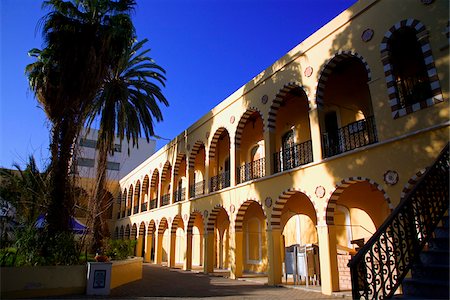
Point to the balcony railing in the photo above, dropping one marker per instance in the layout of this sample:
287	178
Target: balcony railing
118	215
252	170
123	213
165	199
129	211
179	195
293	157
136	209
354	135
144	207
197	189
153	203
220	181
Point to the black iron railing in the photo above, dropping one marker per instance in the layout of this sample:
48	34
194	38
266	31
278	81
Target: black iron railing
379	267
144	207
153	203
179	195
136	209
165	199
197	189
354	135
129	212
292	157
220	181
252	170
118	215
123	213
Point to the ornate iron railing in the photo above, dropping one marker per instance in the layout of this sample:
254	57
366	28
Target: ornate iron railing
379	267
153	203
123	213
144	207
197	189
119	214
293	157
165	199
179	195
252	170
354	135
220	181
129	212
136	209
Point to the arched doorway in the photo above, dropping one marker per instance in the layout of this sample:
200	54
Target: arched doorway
177	242
194	243
217	239
162	242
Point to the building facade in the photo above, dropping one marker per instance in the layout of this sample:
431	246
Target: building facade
318	149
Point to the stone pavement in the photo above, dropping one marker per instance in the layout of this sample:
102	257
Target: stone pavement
165	283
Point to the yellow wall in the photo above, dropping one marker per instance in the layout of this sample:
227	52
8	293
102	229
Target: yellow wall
126	271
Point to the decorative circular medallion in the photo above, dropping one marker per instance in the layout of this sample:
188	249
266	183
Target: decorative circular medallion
268	202
205	213
207	134
185	217
308	71
391	177
232	208
320	191
426	2
367	35
264	99
188	147
232	119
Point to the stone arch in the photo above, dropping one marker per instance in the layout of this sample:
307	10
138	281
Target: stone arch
278	100
213	216
278	206
142	229
340	188
145	185
422	38
127	231
411	183
116	233
163	225
331	64
194	151
155	177
243	120
151	229
166	171
238	223
133	231
121	232
215	140
177	223
178	161
192	217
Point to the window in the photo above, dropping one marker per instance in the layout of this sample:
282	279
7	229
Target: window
85	162
110	165
408	67
254	246
88	143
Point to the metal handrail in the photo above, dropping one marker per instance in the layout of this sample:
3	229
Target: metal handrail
220	181
378	269
252	170
165	199
197	189
292	157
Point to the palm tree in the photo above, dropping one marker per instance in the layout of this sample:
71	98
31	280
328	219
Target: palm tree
83	39
126	104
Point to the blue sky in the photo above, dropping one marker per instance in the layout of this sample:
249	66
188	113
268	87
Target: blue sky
209	48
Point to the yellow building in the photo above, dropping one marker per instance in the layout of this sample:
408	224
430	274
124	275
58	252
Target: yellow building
317	149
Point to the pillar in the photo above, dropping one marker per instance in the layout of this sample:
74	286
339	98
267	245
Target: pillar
172	245
139	245
328	259
208	266
188	260
274	255
159	248
148	249
269	150
316	136
237	255
232	162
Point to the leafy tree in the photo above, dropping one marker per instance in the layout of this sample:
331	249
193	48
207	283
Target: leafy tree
126	105
82	40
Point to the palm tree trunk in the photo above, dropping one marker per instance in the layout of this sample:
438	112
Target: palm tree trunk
95	203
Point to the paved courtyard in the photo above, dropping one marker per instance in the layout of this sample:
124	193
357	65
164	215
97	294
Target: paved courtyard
164	283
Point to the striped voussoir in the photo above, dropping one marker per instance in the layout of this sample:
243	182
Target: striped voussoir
121	231
145	184
328	68
411	183
133	232
163	225
142	229
279	98
151	227
130	195
213	216
155	178
422	37
238	223
194	151
137	190
124	195
243	121
275	220
214	141
193	216
116	233
127	231
330	208
177	223
167	169
176	166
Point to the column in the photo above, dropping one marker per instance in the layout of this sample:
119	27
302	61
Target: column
316	137
328	259
172	245
274	255
159	248
232	162
148	248
208	266
188	261
269	150
237	255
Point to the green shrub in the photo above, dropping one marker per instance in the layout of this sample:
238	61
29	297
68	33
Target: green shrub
119	249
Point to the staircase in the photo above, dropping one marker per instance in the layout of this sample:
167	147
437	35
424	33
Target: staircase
411	248
430	273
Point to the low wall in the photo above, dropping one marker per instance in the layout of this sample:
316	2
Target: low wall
125	271
25	282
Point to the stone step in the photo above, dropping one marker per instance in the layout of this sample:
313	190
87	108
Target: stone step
431	272
430	289
434	256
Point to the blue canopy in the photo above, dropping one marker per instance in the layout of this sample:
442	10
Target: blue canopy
75	224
